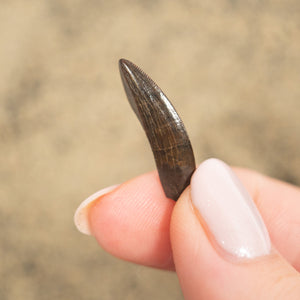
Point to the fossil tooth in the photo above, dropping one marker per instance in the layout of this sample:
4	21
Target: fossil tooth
166	133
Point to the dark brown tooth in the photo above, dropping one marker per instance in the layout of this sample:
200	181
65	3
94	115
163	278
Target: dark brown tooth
166	133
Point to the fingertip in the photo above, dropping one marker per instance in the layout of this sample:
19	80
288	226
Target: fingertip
132	222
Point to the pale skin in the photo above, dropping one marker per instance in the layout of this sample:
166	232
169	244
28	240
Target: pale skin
137	223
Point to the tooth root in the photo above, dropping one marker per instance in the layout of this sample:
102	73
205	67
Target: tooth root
166	133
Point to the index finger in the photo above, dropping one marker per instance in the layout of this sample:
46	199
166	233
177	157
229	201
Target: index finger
132	221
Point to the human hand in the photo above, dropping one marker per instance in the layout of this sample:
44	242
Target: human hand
212	236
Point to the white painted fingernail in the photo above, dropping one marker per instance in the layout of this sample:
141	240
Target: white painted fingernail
229	211
81	215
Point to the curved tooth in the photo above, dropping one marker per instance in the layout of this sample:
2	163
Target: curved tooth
166	133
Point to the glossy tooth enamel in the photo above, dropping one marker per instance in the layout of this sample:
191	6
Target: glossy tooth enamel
166	133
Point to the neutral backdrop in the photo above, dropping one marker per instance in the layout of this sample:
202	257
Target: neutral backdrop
231	69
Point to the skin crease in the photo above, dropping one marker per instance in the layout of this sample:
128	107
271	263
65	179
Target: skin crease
135	221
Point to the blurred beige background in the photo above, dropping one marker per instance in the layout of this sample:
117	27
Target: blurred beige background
231	68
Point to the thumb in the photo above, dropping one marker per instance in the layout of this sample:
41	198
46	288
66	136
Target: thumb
220	244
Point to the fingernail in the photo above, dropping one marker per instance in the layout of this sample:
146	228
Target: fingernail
81	219
229	211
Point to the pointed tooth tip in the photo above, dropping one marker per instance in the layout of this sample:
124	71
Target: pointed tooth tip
122	60
127	65
124	63
131	72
